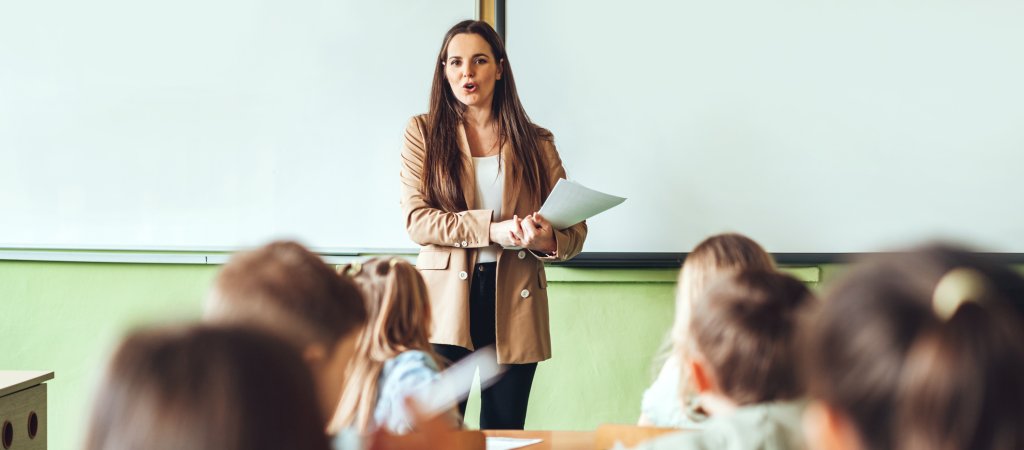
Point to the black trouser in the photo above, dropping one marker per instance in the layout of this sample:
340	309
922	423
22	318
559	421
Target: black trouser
503	405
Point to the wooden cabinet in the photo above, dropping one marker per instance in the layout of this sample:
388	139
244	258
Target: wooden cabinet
23	410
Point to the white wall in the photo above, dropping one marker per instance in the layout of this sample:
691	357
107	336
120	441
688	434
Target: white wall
205	124
813	126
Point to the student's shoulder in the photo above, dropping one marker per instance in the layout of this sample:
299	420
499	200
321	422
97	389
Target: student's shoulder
765	425
411	361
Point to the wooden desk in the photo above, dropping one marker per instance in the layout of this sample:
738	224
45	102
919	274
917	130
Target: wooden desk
552	440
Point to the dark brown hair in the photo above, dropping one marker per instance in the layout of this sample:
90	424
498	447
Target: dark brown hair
909	375
399	306
746	326
205	388
286	288
444	163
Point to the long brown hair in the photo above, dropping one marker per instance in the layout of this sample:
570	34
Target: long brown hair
399	308
205	388
444	163
923	350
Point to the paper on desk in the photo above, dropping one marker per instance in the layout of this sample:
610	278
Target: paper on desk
506	443
570	203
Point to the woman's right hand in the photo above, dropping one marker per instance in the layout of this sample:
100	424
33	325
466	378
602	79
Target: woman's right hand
508	233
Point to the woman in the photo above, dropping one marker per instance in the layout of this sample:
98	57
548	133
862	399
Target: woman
202	387
474	172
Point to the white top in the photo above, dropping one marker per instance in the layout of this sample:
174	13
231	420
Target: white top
490	188
662	403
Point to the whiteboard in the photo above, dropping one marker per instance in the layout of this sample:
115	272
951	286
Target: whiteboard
812	126
197	124
842	126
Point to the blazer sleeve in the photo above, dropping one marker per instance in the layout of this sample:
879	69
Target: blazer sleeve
432	226
568	242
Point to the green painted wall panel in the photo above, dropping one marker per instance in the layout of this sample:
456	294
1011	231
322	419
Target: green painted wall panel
65	318
603	338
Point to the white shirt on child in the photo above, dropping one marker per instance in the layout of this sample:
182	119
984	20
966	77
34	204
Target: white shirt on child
662	401
763	426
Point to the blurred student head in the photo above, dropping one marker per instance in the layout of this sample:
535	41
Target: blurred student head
743	347
713	257
285	288
399	320
919	350
205	388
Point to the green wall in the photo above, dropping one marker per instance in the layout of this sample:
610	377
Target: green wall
606	326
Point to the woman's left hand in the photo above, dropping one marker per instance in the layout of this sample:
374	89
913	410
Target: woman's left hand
538	234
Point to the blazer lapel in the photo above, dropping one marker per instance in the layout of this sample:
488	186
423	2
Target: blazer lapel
468	172
510	197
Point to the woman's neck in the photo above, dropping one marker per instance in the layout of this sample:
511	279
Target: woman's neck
477	118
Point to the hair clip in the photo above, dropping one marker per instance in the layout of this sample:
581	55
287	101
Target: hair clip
354	268
957	286
393	262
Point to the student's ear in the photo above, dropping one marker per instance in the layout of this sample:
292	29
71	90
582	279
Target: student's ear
501	69
702	380
827	429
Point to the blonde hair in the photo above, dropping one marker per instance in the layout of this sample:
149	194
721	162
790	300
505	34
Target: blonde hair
717	256
714	257
399	320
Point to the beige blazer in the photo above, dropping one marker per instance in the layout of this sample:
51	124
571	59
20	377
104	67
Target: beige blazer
449	246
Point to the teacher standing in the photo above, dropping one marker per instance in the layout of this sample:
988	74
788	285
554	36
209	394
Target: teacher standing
475	171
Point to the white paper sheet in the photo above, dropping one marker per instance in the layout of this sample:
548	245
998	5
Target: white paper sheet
505	443
570	203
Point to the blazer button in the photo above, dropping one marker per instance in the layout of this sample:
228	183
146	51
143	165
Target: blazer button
457	245
522	254
464	244
463	275
524	294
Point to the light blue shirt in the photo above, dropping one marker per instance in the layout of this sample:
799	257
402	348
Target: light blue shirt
402	376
